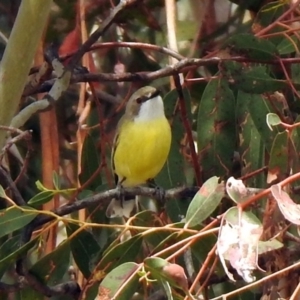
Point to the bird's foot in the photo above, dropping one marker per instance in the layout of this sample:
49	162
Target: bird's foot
160	194
121	194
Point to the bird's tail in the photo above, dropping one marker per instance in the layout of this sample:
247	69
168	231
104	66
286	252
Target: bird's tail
118	208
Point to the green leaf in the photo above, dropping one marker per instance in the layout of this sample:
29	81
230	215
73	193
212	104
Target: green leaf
295	146
216	129
251	147
164	271
251	46
149	219
28	293
205	201
52	267
155	265
56	181
259	108
10	251
266	246
90	161
288	46
171	239
2	192
13	218
270	12
123	279
40	186
201	247
84	248
122	252
232	216
41	198
295	70
278	162
254	79
167	289
273	120
172	173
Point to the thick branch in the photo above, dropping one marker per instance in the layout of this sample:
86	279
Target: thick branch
15	65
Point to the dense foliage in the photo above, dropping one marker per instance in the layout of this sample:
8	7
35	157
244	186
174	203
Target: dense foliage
226	223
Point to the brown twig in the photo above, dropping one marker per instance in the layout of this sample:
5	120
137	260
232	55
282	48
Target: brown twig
85	47
188	130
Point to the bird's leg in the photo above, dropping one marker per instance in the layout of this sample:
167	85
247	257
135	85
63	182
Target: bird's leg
159	191
121	195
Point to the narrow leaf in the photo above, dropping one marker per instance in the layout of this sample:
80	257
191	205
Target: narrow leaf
205	202
52	267
14	218
41	198
123	279
216	129
84	248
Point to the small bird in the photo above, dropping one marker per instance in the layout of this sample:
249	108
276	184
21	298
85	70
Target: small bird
141	145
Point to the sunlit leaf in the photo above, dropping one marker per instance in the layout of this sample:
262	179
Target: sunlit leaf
123	280
265	246
205	201
273	120
278	162
238	243
56	180
287	206
2	192
14	218
162	270
237	191
41	198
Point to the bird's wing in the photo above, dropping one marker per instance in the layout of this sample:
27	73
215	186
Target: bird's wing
115	145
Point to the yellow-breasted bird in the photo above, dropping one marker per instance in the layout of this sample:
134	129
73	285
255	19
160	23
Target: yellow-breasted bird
141	145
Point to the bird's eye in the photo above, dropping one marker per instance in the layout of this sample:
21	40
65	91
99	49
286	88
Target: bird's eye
139	100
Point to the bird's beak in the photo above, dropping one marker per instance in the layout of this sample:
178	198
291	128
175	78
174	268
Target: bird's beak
155	94
150	96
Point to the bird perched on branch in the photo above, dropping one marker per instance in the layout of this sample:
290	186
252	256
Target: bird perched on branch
141	145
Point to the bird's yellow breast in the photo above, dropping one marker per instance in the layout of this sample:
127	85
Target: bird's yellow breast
141	150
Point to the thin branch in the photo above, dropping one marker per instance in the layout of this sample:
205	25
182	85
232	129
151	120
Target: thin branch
104	198
70	288
7	180
85	47
188	130
180	67
9	288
